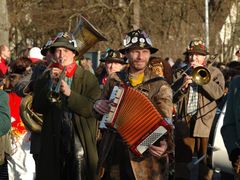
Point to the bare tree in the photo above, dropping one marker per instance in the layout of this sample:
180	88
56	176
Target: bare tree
4	24
171	24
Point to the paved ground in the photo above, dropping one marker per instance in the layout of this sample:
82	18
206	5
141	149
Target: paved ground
216	175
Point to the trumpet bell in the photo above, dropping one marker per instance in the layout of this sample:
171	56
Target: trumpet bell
201	75
86	35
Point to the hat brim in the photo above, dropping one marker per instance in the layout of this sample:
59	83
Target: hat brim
117	60
196	52
61	44
125	50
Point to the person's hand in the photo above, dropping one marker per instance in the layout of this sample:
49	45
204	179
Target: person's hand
54	74
187	80
102	106
65	89
158	151
236	166
235	159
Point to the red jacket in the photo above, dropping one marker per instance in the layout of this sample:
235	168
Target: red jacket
14	104
3	66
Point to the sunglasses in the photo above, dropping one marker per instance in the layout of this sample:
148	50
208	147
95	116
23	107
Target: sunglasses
67	36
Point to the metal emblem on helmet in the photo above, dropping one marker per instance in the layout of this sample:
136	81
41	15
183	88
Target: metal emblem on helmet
142	40
142	44
149	41
127	40
134	39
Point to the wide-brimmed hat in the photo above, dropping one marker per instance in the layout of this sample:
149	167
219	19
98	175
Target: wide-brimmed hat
137	39
196	46
66	40
113	56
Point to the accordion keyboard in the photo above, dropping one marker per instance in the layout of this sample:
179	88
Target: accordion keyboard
116	96
151	139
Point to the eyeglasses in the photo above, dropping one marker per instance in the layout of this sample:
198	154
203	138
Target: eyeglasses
67	36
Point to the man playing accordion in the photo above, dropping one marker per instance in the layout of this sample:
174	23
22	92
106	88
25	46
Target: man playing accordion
114	154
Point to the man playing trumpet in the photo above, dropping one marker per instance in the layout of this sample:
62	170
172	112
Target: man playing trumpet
196	107
68	146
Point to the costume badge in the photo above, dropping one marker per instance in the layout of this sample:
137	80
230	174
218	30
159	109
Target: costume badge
142	40
134	39
142	45
149	41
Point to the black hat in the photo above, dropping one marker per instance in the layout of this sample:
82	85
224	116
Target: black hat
196	46
113	56
137	39
66	40
46	47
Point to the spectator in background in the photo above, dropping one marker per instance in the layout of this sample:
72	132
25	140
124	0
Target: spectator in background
5	126
35	54
170	61
238	54
113	61
21	163
4	58
25	88
86	63
161	67
178	65
231	127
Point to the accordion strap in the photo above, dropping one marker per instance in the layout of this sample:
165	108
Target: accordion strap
153	80
124	77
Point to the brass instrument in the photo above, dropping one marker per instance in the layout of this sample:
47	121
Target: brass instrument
32	120
201	75
54	94
86	36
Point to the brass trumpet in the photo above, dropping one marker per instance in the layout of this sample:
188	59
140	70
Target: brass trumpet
54	94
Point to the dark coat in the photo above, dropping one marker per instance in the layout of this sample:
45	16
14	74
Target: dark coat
84	92
231	123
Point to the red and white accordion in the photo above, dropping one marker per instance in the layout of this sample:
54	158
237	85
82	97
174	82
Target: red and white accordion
135	118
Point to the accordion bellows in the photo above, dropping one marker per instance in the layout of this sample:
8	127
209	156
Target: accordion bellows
135	118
